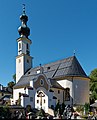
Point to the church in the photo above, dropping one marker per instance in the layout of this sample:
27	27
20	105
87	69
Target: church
62	81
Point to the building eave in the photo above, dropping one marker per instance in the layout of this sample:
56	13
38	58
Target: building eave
22	38
71	77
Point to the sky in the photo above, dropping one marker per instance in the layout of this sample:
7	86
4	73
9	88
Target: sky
57	29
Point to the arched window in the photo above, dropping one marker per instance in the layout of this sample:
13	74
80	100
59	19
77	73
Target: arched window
67	94
41	82
19	45
27	49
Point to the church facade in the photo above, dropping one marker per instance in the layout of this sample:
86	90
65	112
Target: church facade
62	81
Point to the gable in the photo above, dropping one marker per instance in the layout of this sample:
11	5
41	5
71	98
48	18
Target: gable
41	81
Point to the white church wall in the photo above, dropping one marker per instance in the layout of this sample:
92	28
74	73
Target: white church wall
81	91
45	103
51	101
19	47
44	100
67	84
16	93
27	62
24	43
24	101
19	67
58	93
31	83
29	100
31	94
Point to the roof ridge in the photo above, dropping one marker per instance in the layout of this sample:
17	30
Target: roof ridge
53	62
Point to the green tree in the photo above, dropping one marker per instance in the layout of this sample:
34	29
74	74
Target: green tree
41	113
28	108
11	84
5	112
93	85
57	106
87	107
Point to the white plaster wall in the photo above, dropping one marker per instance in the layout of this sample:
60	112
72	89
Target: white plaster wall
51	101
31	93
20	48
23	66
27	65
58	95
67	84
81	91
31	83
25	101
24	42
44	105
19	67
16	93
23	46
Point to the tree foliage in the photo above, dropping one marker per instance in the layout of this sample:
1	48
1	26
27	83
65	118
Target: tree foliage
28	108
60	108
57	106
5	113
11	84
93	85
87	107
41	113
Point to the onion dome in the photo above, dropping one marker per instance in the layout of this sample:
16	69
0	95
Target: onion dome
23	29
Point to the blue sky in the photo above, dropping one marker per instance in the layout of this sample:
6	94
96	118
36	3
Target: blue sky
58	27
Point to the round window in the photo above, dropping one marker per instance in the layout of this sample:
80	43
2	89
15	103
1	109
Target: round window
41	82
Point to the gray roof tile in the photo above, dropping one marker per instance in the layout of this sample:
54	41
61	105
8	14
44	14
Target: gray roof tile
65	67
55	84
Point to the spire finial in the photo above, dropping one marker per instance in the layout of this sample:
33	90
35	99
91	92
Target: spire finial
40	64
74	52
23	29
23	8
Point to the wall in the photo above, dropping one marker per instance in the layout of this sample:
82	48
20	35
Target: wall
19	67
44	105
59	96
67	84
16	94
81	91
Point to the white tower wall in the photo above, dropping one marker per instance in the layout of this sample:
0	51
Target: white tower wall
23	60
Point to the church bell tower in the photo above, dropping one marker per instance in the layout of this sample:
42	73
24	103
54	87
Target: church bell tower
23	60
